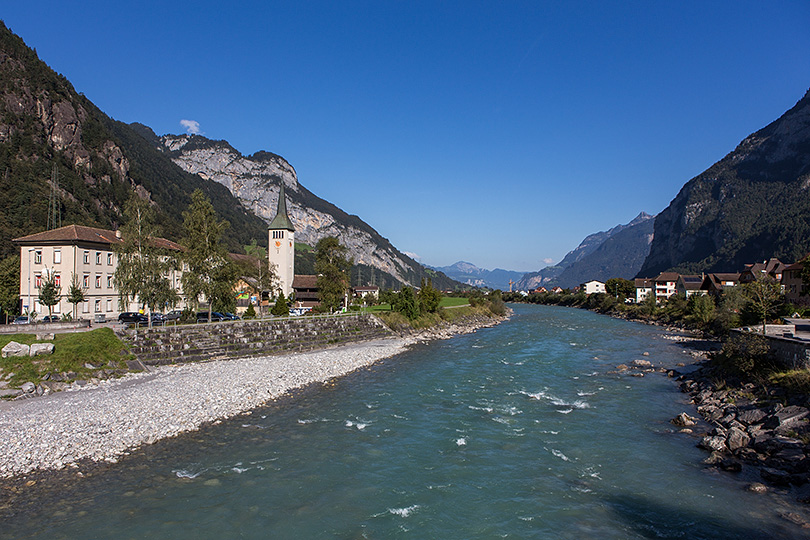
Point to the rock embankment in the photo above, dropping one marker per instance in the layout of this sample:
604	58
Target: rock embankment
746	431
101	422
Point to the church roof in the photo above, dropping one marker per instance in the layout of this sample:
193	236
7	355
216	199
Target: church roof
282	220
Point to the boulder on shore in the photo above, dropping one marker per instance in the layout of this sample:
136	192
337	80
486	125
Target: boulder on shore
41	348
13	348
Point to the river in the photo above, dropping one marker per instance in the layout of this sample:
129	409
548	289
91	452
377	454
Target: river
516	431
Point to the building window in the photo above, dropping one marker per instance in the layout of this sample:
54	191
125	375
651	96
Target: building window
37	281
278	235
57	256
57	308
86	306
57	280
98	257
86	257
98	281
86	281
109	281
37	257
109	259
109	304
98	306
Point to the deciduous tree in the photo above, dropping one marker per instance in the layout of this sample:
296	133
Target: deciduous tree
332	266
142	264
75	293
10	285
205	257
764	295
49	292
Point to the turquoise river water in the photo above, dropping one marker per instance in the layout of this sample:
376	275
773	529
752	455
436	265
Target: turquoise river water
516	431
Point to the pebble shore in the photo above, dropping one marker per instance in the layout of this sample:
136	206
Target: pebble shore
107	420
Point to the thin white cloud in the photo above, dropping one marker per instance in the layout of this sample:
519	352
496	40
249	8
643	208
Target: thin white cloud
548	260
413	256
192	127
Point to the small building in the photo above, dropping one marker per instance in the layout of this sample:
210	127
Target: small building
593	287
557	290
644	289
366	293
689	285
305	288
717	283
540	290
665	285
796	292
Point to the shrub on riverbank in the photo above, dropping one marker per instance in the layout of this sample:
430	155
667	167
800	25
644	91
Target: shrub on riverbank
72	353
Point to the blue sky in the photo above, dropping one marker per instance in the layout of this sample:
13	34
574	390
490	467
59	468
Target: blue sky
500	133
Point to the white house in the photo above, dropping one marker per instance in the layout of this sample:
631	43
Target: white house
592	287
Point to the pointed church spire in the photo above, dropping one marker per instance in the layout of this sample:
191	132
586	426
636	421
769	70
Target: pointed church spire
282	220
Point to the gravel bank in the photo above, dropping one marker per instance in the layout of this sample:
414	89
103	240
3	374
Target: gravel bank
107	420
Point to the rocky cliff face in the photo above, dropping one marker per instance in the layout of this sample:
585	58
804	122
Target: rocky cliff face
254	180
751	205
45	125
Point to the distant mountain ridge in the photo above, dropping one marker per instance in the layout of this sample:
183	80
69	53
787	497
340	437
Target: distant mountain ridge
469	274
617	252
751	205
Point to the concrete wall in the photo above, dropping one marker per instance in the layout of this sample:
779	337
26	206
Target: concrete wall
208	341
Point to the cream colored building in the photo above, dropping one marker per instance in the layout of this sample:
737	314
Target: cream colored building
86	252
281	246
593	287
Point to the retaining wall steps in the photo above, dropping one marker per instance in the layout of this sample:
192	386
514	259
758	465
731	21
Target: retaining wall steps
207	341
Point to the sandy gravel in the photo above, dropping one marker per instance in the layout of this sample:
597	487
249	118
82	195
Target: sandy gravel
104	421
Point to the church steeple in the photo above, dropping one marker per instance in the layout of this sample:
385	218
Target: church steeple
282	220
281	245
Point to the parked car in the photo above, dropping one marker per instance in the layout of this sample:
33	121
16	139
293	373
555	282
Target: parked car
174	315
202	316
133	317
22	319
50	318
231	317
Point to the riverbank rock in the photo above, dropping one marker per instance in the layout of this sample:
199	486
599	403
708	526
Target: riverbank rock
13	348
684	420
41	348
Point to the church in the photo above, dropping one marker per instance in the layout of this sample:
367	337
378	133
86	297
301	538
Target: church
281	256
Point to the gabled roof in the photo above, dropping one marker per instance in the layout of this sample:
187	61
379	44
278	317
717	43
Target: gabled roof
691	283
305	281
75	234
282	220
70	234
667	276
642	283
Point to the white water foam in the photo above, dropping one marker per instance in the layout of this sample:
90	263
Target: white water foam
185	473
558	454
404	512
462	441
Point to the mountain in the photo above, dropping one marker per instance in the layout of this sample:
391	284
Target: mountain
255	182
751	205
47	127
55	140
617	252
469	274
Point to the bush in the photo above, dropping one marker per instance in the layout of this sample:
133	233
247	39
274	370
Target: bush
744	354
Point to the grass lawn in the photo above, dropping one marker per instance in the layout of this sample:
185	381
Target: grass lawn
450	301
71	352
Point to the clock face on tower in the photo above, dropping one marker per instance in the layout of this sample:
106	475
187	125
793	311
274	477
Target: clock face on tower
278	244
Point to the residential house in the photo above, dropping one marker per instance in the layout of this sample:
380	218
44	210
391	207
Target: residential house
689	285
644	289
87	253
368	293
540	290
717	283
772	267
305	288
665	285
796	292
557	290
592	287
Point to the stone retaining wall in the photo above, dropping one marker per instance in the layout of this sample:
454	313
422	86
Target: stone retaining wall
792	353
43	328
209	341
